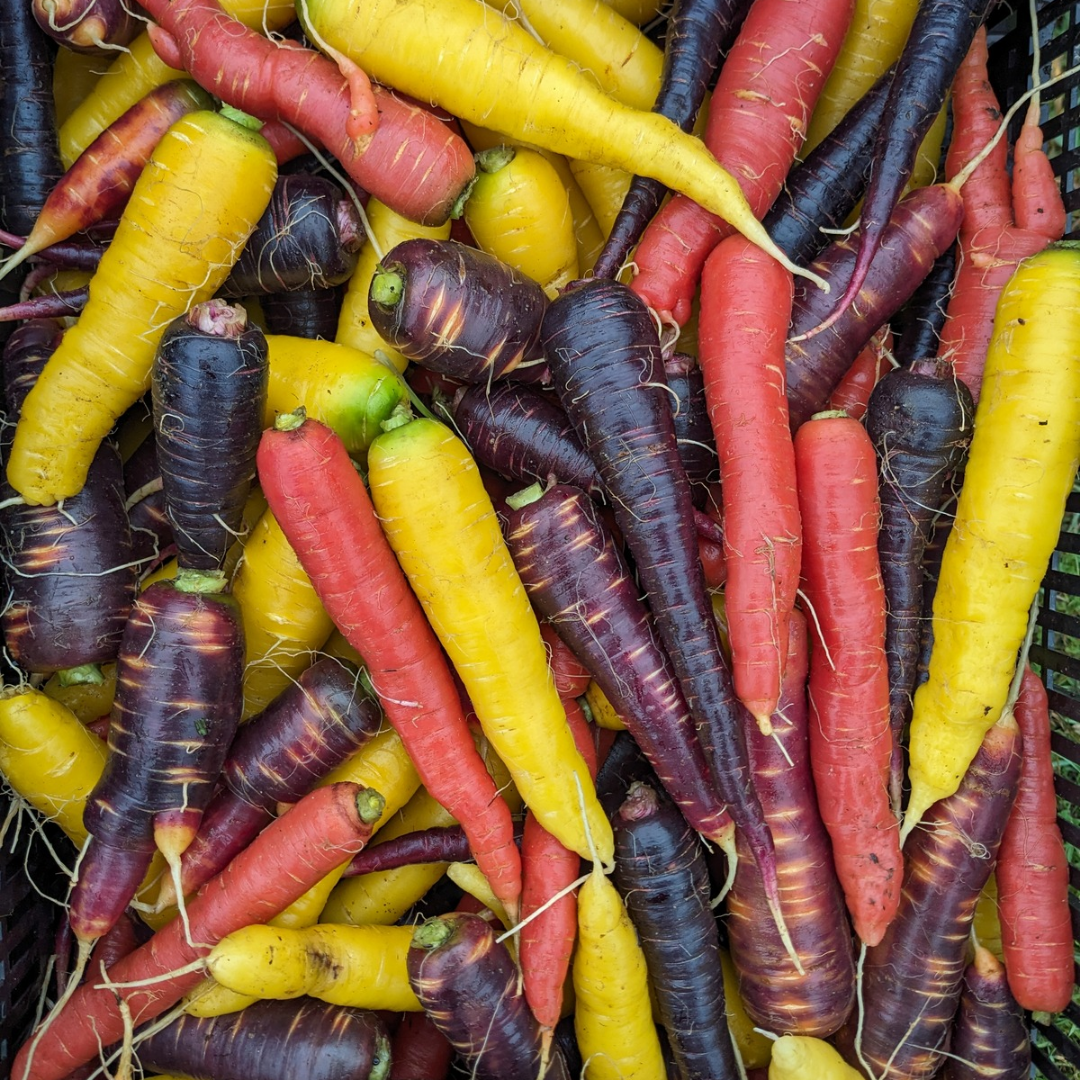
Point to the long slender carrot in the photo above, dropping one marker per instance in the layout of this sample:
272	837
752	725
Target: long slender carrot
850	742
745	312
291	854
326	513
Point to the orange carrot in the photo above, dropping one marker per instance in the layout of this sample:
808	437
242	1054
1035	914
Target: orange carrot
294	852
758	116
1000	226
850	738
852	392
745	312
325	512
1032	870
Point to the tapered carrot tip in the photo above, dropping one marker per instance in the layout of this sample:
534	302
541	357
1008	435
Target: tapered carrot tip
764	722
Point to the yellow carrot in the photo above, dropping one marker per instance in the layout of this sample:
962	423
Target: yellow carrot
191	211
802	1057
438	518
488	69
604	187
1020	470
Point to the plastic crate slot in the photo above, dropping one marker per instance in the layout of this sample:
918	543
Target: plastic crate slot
1065	748
1062	1044
1068	708
1058	663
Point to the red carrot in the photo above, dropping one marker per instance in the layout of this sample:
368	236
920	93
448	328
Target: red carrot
319	833
374	140
1000	227
852	392
571	676
419	1051
1033	872
745	312
325	512
758	116
850	741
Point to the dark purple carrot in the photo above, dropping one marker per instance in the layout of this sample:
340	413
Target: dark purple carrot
822	190
775	994
208	386
920	421
29	152
440	843
923	226
177	705
53	305
88	26
151	531
420	1051
25	353
272	1040
468	985
938	41
693	431
660	872
990	1038
698	33
916	327
456	310
577	579
911	980
307	238
604	354
99	182
523	433
307	313
623	764
68	255
327	713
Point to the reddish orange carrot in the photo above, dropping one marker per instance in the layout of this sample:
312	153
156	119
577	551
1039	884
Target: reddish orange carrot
852	393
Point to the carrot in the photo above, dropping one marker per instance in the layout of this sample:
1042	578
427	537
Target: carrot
572	677
916	327
99	182
193	206
304	313
693	432
419	1050
441	525
741	333
850	743
797	1057
1020	469
317	495
758	114
491	71
74	75
775	994
437	844
87	26
911	979
1003	223
1032	871
852	393
323	828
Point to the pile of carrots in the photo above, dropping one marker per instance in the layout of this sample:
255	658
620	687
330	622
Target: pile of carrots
522	529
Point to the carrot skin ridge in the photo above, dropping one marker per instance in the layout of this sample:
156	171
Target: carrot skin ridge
990	1034
745	312
937	43
604	354
850	738
294	852
774	994
758	117
698	34
923	226
919	419
278	756
208	390
661	873
1032	870
912	977
315	494
468	985
460	311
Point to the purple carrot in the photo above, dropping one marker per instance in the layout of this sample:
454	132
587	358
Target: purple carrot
68	255
88	26
661	873
307	238
776	996
208	387
916	327
923	226
990	1039
920	421
577	579
693	429
457	310
469	986
604	354
272	1040
698	33
307	313
151	531
440	843
938	41
178	702
624	764
55	305
523	434
327	713
911	980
